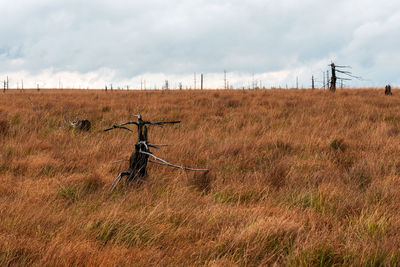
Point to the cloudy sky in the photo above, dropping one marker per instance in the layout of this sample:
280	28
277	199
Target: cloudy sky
92	43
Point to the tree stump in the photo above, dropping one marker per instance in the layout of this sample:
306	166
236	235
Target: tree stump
138	160
388	90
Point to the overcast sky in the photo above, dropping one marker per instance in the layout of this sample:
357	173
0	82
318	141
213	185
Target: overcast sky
93	43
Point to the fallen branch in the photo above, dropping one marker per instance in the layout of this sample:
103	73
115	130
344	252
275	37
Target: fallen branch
156	146
121	160
118	179
163	162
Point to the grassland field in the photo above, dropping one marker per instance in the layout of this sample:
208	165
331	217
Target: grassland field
298	178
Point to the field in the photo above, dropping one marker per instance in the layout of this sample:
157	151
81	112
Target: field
298	177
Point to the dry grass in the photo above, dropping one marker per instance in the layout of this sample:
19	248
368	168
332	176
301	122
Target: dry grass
297	178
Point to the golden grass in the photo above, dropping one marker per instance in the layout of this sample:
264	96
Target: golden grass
297	178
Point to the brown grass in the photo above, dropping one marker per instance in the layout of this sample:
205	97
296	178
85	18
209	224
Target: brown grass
297	178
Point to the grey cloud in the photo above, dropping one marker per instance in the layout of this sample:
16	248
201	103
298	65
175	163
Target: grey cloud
181	37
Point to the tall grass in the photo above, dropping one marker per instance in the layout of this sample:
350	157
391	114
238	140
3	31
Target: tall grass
297	178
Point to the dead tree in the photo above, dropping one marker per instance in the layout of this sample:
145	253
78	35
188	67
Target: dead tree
339	69
388	90
140	157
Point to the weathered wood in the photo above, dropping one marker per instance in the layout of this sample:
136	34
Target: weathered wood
388	90
138	160
332	88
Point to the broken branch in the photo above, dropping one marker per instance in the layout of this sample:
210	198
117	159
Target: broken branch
118	127
163	162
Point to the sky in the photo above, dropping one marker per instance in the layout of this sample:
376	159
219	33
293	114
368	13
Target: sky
90	44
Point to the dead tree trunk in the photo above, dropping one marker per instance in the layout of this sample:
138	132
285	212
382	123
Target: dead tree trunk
333	78
388	90
138	161
312	82
140	157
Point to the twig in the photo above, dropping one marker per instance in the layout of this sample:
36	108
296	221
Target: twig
118	179
163	162
35	109
121	160
156	146
160	123
33	106
117	127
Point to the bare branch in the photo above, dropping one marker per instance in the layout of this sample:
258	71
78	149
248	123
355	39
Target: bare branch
33	106
121	160
144	143
163	162
122	124
117	127
344	79
348	73
156	146
127	123
345	72
159	123
118	179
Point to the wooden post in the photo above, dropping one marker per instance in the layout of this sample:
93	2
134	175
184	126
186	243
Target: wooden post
332	88
312	82
201	81
327	78
38	88
224	79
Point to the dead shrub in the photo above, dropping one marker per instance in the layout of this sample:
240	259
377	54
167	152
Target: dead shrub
105	109
392	132
201	181
344	161
4	127
277	174
91	184
282	146
233	104
338	144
